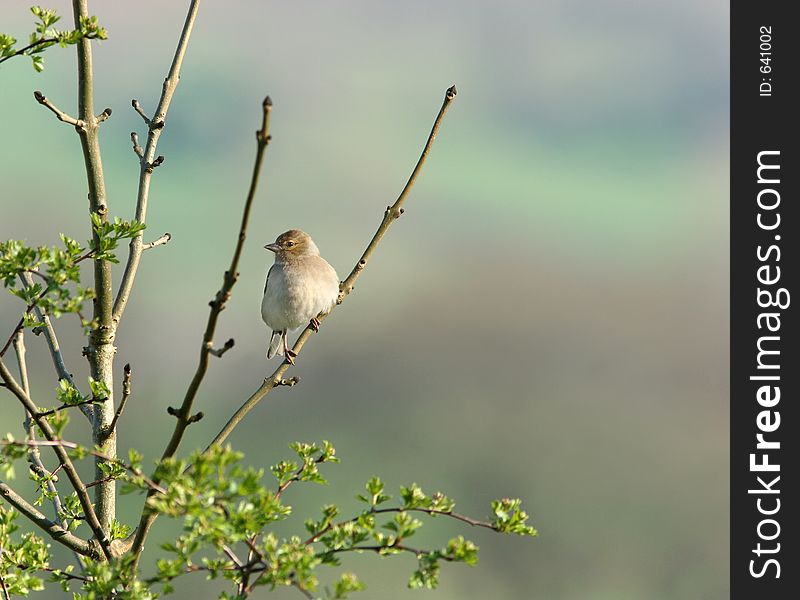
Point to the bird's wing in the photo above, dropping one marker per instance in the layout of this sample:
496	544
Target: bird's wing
266	283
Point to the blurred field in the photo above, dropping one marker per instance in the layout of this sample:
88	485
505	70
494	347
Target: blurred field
548	320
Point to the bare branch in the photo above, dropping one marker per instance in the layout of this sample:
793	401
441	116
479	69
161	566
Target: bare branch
101	350
218	352
156	163
228	281
136	147
392	213
103	116
155	127
184	413
140	111
126	393
60	114
157	242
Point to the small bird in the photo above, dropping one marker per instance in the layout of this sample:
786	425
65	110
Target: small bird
300	285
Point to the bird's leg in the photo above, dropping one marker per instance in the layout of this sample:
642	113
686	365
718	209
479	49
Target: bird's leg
315	324
286	351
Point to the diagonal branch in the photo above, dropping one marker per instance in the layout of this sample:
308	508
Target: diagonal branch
60	114
34	456
184	413
392	213
228	281
148	157
63	457
53	346
55	530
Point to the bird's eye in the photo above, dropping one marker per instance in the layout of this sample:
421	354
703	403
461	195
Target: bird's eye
289	244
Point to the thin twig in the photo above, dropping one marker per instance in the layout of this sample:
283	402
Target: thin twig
73	446
80	404
392	213
184	413
103	116
427	511
53	346
155	126
39	42
60	114
6	595
218	352
136	147
126	393
157	242
296	584
140	111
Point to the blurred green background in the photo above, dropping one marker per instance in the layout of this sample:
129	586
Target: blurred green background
549	319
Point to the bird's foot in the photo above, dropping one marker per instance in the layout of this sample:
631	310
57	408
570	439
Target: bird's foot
290	356
315	324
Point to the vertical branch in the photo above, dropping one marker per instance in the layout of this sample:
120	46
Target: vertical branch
100	351
148	158
184	413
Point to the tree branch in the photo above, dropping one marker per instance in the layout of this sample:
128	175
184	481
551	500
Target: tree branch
157	242
100	351
34	456
184	413
72	445
126	393
63	457
148	157
60	114
392	213
228	281
54	530
427	511
55	349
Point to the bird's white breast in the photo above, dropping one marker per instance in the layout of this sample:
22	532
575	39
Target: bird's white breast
298	291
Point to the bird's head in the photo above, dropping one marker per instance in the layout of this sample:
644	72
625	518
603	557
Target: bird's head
293	244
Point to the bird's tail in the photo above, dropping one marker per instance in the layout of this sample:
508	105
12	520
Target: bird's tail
275	345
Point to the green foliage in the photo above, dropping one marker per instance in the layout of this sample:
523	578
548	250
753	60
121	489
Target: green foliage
226	511
45	35
109	233
58	288
20	560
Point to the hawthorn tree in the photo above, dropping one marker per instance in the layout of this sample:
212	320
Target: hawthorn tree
226	509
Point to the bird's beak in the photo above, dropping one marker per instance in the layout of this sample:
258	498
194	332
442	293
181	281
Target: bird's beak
272	247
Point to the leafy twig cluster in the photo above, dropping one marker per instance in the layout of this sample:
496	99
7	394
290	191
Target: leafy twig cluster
45	35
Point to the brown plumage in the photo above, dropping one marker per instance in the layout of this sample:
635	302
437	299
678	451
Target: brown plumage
300	285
